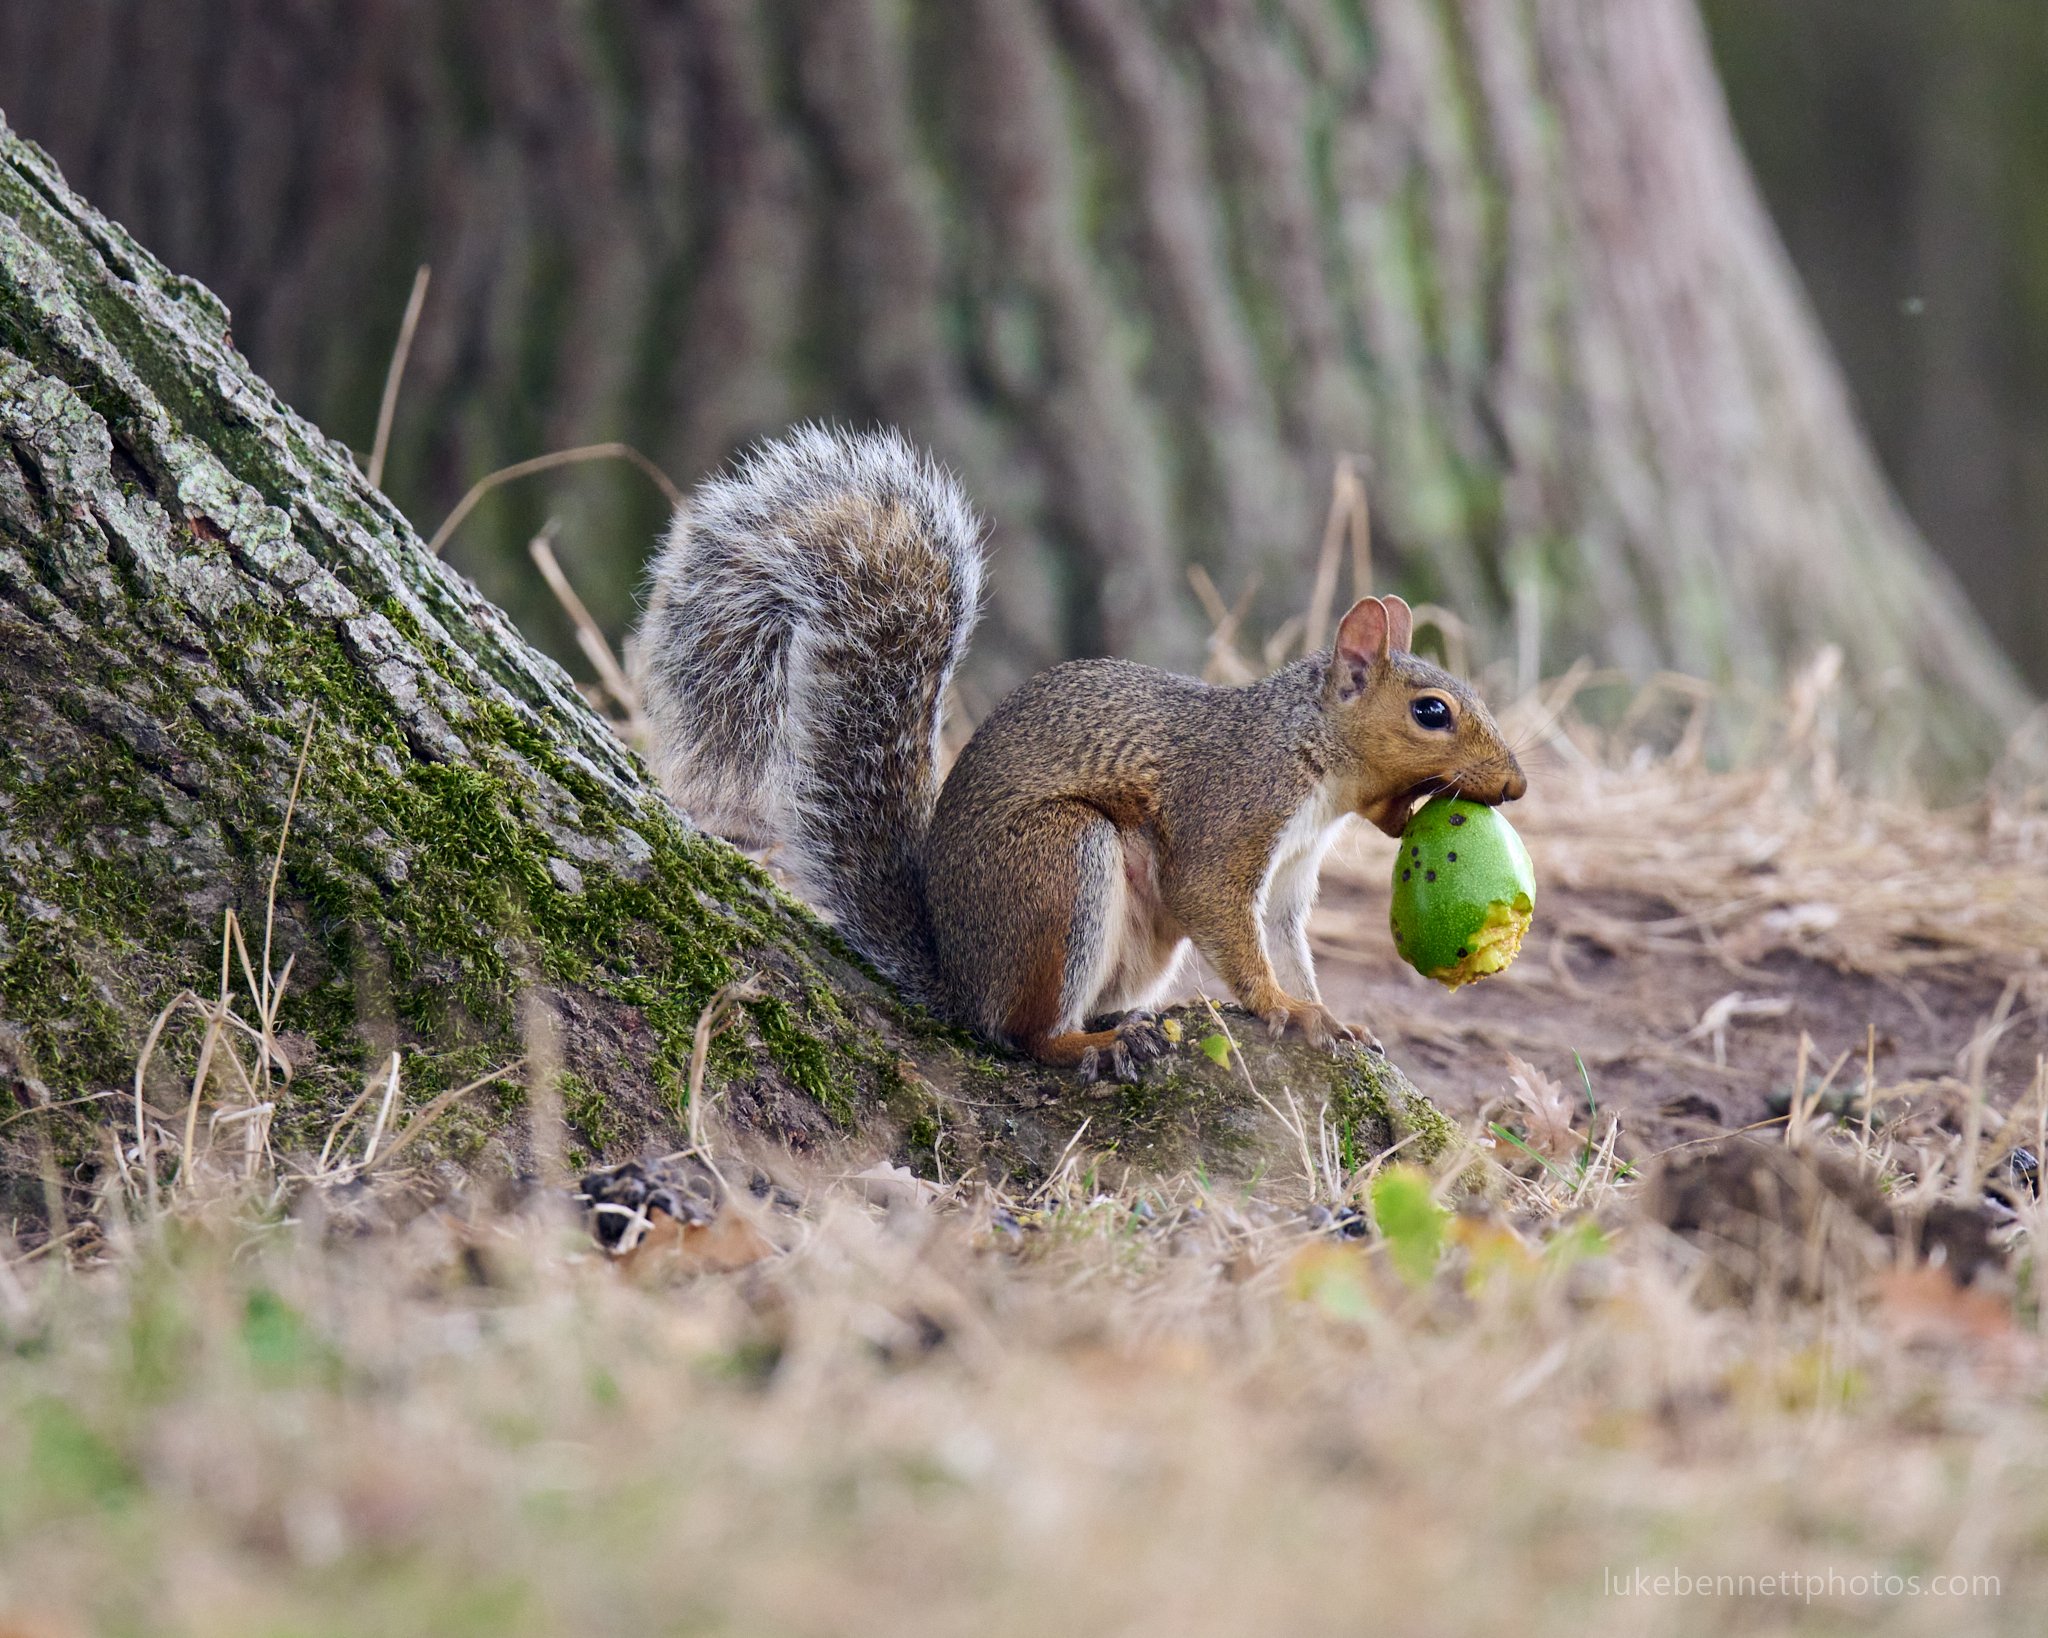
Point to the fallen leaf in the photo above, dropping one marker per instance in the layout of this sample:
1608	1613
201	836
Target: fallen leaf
729	1241
1410	1221
1924	1305
1548	1110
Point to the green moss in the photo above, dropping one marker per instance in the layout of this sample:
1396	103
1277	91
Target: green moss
918	1112
803	1059
84	820
981	1066
1373	1104
921	1145
74	1035
590	1112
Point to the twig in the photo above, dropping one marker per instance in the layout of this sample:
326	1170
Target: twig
1225	663
387	409
383	1114
263	1000
206	1050
1361	533
47	1108
340	1121
1205	590
1324	592
589	635
543	463
433	1110
142	1146
1044	1190
1454	632
709	1022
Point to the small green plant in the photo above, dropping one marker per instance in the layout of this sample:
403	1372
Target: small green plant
1410	1220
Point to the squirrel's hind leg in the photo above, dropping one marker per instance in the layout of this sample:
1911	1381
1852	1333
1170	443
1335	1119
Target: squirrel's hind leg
1058	945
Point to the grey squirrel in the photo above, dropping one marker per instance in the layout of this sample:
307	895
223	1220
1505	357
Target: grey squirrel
805	614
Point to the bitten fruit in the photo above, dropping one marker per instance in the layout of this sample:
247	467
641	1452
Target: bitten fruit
1464	890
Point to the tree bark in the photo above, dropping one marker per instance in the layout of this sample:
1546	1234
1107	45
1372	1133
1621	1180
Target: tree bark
1141	271
190	578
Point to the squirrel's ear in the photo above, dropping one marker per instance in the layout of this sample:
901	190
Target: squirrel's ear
1400	623
1362	643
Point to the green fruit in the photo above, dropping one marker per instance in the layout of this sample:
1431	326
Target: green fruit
1464	891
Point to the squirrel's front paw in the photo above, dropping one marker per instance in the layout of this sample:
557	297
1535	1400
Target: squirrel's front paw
1139	1039
1322	1026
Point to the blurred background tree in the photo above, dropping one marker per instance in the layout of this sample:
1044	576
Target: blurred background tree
1903	147
1144	270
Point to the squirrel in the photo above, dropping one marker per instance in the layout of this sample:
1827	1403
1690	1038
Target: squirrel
804	616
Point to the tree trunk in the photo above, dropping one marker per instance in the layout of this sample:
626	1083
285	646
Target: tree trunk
1141	271
190	578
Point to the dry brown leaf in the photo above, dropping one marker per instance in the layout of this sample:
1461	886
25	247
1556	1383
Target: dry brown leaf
1547	1109
1924	1305
730	1240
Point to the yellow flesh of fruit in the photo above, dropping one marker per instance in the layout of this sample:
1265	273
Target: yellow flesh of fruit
1495	943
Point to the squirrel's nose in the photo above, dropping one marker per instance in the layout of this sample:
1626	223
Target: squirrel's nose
1516	784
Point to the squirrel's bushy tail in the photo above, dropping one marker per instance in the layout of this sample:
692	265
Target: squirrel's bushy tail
804	616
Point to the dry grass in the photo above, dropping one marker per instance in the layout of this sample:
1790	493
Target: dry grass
1119	1412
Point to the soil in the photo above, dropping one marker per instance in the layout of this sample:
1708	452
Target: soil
1629	1017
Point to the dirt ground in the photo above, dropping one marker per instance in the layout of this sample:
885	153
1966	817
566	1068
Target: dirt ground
1634	1024
1691	928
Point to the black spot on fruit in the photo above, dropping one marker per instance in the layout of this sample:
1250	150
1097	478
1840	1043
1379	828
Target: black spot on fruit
1429	875
1452	857
1463	952
1406	874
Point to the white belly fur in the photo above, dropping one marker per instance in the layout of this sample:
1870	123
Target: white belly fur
1140	949
1147	945
1289	888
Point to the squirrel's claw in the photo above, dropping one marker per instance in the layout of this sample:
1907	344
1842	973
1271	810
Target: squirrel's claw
1141	1036
1139	1039
1322	1026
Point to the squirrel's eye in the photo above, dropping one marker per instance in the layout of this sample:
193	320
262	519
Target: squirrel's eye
1430	712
